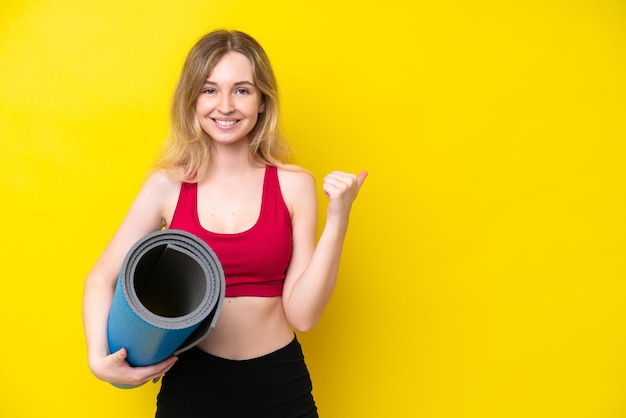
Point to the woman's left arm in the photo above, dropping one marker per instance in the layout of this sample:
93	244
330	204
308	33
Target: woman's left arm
312	273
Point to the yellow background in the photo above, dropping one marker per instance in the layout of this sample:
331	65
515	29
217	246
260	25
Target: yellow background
484	271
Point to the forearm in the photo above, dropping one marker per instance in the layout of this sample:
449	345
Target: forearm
97	298
111	367
313	271
313	289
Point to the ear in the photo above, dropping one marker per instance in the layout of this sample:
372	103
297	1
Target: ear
262	105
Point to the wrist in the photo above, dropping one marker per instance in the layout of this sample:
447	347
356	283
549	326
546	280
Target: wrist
336	227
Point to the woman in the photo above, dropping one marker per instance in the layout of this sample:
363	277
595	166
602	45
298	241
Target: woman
223	175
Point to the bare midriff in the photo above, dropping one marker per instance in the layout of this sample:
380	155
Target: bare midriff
249	327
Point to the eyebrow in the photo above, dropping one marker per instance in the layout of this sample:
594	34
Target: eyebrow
237	83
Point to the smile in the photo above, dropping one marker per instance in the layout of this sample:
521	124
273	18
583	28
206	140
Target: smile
225	122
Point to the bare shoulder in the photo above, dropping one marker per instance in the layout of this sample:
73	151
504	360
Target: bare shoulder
297	186
294	178
157	195
162	182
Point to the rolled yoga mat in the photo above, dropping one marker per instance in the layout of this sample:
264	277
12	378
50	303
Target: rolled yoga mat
169	295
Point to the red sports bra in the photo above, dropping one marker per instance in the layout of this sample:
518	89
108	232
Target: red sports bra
254	261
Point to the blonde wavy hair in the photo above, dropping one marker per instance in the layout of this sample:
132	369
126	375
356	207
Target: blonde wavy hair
187	145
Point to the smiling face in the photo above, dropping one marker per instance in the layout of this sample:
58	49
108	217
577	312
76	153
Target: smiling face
229	104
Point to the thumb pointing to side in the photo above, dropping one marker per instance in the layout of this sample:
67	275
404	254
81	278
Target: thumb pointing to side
360	178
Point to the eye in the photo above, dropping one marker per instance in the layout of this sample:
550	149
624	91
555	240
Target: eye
242	90
208	90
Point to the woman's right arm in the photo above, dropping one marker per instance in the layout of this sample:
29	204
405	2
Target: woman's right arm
145	215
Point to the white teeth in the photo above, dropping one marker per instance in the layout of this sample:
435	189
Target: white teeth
225	122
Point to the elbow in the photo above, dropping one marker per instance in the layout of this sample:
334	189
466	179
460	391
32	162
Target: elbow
302	323
303	327
300	315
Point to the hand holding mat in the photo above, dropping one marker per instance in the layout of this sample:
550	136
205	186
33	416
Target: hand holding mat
169	294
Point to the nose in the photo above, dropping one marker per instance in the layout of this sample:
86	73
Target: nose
226	104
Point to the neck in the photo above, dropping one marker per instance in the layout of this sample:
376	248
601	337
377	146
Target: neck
231	160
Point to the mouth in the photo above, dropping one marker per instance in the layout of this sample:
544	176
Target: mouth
225	122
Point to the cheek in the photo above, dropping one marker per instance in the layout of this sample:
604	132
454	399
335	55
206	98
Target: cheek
200	105
204	103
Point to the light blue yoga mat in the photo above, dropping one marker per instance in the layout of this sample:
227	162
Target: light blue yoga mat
169	294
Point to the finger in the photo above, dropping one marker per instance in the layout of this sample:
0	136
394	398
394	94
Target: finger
333	186
348	178
120	355
340	179
360	178
340	175
164	368
326	188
